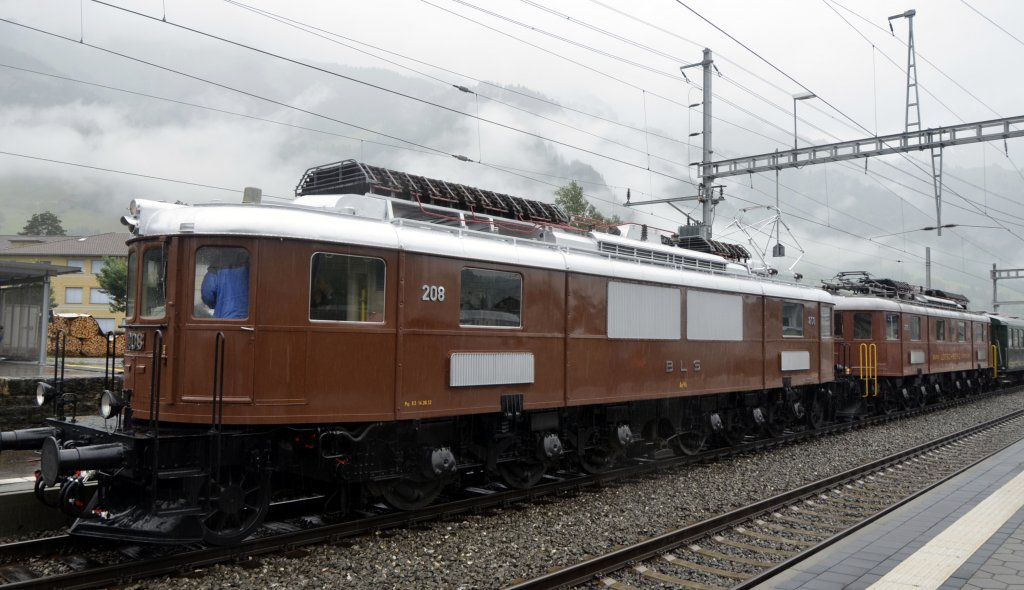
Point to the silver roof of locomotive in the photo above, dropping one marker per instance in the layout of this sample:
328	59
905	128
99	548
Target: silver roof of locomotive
375	221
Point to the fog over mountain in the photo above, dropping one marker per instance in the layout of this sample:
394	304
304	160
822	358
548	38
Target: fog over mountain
545	117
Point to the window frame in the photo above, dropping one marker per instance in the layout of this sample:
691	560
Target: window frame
871	325
384	296
80	291
915	328
522	292
793	331
826	321
892	321
142	279
132	275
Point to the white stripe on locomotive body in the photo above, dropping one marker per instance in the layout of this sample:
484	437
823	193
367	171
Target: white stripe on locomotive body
869	303
367	220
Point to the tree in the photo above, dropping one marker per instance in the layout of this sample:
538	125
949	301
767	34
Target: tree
113	279
43	224
584	215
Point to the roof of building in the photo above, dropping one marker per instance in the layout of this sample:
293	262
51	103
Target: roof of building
109	244
17	273
17	241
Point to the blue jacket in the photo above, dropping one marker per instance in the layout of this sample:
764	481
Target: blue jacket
226	291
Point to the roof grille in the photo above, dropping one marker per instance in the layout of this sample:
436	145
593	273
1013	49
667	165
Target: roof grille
659	257
350	176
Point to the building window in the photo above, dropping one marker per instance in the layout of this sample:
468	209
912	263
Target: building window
915	328
97	296
862	326
346	288
72	295
792	319
79	264
490	298
97	266
826	321
940	330
892	326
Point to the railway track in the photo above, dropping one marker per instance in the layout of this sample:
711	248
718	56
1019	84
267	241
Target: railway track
748	546
67	562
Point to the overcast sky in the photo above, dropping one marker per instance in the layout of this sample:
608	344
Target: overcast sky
574	89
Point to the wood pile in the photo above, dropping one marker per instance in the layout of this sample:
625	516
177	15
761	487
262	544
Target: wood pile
82	336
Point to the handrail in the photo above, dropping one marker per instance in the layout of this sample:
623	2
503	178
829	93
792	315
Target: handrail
995	361
868	356
154	406
217	403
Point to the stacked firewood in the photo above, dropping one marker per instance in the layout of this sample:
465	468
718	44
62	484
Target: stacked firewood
82	336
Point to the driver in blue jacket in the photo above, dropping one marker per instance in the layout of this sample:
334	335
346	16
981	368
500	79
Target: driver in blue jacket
225	290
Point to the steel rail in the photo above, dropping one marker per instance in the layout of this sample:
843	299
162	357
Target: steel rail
587	570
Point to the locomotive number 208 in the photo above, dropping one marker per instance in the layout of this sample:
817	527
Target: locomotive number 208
432	293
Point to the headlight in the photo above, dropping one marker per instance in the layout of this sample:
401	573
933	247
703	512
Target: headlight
44	393
111	404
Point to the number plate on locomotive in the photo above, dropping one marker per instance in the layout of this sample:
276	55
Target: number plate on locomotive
134	341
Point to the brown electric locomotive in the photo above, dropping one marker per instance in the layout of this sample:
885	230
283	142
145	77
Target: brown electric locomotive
386	335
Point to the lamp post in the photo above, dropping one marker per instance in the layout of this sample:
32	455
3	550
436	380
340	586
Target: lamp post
796	97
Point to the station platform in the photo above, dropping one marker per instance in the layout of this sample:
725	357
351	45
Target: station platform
966	533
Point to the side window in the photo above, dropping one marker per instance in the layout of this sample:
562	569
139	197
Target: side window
490	298
862	326
915	328
940	330
129	299
979	332
792	319
892	326
961	331
826	321
838	318
154	297
222	283
346	288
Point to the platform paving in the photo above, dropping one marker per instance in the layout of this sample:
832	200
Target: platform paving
915	545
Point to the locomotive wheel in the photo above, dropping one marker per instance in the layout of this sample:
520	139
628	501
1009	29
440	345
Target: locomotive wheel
775	421
594	453
734	429
521	474
411	493
689	442
239	501
815	413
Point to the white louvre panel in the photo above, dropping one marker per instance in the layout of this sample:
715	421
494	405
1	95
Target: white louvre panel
982	354
917	357
713	316
796	360
470	369
643	312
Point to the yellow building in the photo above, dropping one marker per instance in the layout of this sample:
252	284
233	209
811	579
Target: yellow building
79	292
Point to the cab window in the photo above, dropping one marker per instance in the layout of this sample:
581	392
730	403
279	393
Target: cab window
892	326
826	321
792	319
346	288
154	296
221	283
129	296
862	326
915	328
490	298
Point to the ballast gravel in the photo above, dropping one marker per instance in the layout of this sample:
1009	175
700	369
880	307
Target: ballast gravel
497	549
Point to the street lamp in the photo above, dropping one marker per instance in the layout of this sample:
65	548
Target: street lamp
796	97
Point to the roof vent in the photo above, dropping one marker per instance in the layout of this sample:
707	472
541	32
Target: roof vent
252	195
